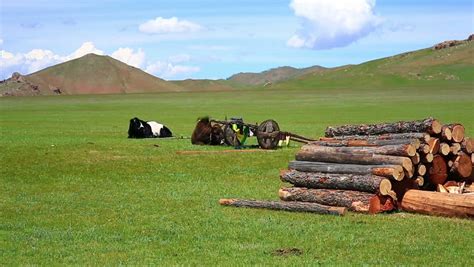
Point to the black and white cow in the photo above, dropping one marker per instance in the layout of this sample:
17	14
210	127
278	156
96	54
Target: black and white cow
147	129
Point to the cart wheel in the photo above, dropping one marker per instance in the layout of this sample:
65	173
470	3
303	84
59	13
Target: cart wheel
230	137
268	126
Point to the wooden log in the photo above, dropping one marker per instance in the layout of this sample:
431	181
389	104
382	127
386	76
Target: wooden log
419	136
421	169
440	204
429	125
331	154
380	204
390	171
468	145
455	148
366	143
317	180
434	145
424	149
428	158
401	187
420	181
446	134
406	150
438	171
462	166
444	149
286	206
353	200
457	131
416	158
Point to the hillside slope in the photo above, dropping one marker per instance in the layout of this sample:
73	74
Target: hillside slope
90	74
272	75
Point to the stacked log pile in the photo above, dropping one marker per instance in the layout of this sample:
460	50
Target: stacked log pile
370	168
380	167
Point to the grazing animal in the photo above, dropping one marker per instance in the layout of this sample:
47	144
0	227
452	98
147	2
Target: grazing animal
147	129
205	133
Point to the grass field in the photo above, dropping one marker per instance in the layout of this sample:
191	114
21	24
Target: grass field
75	190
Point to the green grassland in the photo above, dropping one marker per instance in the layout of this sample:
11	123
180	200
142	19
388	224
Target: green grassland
75	190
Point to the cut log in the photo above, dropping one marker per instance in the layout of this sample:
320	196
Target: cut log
434	145
446	134
424	149
416	159
438	172
353	200
457	132
428	158
462	166
381	204
330	154
406	150
455	148
441	204
429	125
419	136
391	171
286	206
420	181
468	145
366	143
444	149
317	180
421	169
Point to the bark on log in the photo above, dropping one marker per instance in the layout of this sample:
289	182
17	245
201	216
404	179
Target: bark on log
406	150
462	166
455	148
286	206
353	200
438	172
391	171
419	136
457	131
434	145
468	145
429	125
317	180
367	143
381	204
440	204
416	159
446	134
444	149
330	154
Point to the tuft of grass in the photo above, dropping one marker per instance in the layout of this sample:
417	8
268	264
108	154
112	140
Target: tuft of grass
75	190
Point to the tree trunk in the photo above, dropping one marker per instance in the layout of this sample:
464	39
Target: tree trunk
286	206
358	182
444	149
391	171
330	154
356	142
457	131
441	204
428	158
419	136
438	172
353	200
416	158
429	125
421	169
406	150
424	149
462	165
446	134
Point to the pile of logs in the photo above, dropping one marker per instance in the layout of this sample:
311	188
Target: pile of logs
380	167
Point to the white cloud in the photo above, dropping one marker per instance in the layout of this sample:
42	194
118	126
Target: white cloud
1	41
168	70
332	23
128	56
171	25
86	48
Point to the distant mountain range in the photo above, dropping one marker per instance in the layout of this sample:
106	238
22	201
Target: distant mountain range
92	74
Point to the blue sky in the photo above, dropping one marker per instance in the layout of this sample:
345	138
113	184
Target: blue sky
214	39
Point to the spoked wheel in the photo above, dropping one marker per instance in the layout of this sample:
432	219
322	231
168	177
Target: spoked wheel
230	137
265	141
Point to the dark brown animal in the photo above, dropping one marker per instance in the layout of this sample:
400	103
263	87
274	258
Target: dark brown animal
207	133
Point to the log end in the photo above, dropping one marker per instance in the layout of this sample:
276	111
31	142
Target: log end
462	165
226	201
458	133
385	187
436	127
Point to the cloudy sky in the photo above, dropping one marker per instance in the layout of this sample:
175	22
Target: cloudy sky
177	39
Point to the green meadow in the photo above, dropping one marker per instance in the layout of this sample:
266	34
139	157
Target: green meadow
75	190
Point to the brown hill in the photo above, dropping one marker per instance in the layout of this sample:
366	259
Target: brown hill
90	74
